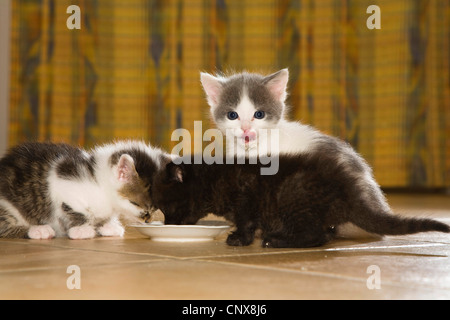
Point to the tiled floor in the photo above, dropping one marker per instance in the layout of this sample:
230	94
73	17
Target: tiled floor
406	267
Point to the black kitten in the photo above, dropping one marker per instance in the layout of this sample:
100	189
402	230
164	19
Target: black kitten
300	206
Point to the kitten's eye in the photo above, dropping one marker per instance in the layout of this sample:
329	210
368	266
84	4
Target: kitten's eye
134	203
232	115
259	114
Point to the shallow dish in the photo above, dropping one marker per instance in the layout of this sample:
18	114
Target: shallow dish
203	231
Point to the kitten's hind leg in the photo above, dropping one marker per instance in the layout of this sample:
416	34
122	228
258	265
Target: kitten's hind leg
301	239
8	230
301	242
12	225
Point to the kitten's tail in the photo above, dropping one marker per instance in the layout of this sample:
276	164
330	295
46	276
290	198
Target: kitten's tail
383	223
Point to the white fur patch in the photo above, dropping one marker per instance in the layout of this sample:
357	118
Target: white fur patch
84	196
296	137
113	228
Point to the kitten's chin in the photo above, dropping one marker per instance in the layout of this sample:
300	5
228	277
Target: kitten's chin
249	144
247	148
245	142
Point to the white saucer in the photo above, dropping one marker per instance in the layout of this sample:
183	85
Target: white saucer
203	231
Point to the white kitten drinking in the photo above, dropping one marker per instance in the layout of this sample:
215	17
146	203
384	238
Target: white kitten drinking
49	190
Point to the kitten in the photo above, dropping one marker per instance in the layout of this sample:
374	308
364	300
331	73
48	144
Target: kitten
300	206
49	190
244	104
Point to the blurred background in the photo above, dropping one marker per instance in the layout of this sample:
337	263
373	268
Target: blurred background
132	71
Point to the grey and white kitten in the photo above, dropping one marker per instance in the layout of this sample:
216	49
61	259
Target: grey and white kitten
243	104
49	190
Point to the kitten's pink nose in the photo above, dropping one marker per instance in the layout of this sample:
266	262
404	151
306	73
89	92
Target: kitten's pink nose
246	125
249	135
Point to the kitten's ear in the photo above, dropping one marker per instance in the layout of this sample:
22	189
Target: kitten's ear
213	88
277	83
175	172
125	169
165	159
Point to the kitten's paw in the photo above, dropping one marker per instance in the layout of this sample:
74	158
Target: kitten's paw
235	239
41	232
112	229
82	232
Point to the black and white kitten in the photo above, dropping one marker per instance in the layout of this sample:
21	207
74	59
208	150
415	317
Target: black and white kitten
49	190
245	105
300	206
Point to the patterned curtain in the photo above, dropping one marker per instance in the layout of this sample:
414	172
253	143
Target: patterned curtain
132	71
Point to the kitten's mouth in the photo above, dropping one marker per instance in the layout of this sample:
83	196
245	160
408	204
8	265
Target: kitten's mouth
249	136
248	140
146	216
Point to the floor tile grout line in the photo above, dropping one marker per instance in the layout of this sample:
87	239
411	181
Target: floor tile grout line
284	270
88	265
108	251
306	251
424	245
420	240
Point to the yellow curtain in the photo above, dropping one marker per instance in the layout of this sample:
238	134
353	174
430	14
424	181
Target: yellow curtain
132	71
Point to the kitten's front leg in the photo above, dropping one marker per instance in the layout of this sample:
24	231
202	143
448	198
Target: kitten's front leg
77	223
112	228
41	232
243	235
246	218
82	232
